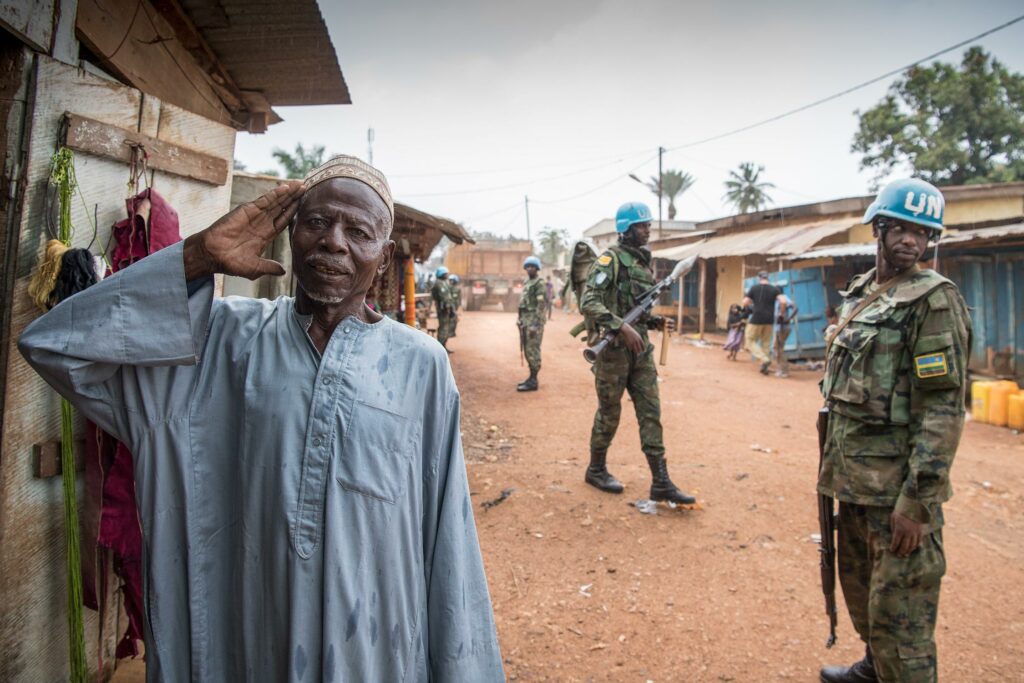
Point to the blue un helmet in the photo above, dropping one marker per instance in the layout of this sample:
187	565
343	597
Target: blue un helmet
454	279
531	261
911	200
440	272
631	213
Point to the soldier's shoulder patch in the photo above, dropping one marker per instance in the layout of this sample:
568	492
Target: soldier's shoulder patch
931	365
604	259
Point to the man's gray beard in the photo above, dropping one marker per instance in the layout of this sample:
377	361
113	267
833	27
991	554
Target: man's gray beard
324	299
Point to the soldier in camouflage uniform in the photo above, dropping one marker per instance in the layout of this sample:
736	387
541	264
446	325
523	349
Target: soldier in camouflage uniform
615	282
532	315
455	291
895	384
442	296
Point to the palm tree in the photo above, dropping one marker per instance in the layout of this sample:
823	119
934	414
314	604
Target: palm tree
300	163
552	243
743	190
673	184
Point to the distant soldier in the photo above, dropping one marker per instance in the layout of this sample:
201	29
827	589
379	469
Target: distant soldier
442	296
455	290
615	281
894	384
532	315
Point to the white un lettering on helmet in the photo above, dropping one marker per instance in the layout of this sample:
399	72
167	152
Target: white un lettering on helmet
930	204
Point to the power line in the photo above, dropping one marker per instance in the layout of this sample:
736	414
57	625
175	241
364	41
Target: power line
849	90
599	187
510	186
444	174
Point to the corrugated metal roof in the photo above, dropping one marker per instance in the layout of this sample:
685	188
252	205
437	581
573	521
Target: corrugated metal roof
606	226
787	239
1013	230
837	251
281	49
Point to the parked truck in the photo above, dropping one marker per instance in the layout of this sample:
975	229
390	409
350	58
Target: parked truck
491	271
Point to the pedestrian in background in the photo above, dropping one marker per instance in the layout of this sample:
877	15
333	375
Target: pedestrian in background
533	306
783	319
761	298
442	296
737	322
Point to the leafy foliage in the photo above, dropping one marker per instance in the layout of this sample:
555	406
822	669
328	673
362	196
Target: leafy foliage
745	190
552	242
300	163
952	125
673	184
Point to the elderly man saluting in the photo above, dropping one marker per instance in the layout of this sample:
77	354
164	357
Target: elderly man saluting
300	476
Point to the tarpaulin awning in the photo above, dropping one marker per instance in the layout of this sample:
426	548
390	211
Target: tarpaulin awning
783	240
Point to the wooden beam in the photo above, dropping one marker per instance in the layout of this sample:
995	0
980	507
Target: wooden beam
110	142
700	306
140	47
46	458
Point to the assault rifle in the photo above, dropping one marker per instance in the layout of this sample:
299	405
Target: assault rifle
644	303
827	525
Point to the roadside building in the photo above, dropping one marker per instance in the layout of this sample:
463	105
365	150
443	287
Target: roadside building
157	89
812	251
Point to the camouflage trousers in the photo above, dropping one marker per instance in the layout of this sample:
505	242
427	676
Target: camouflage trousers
618	369
453	322
444	326
781	335
892	601
531	346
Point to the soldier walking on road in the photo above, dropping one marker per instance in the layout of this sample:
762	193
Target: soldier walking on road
532	315
442	296
894	384
615	282
455	291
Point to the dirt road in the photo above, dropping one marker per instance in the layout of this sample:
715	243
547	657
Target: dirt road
587	588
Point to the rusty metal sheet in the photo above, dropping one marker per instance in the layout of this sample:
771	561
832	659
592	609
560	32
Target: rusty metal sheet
786	239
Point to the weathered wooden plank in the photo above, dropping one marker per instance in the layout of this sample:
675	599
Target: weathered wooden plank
30	20
46	458
139	46
87	135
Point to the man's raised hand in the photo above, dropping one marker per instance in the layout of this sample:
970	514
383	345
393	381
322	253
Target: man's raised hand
235	243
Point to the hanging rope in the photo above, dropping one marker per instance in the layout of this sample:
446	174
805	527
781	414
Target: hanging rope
62	272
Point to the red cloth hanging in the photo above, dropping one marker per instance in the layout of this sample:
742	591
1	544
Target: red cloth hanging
110	516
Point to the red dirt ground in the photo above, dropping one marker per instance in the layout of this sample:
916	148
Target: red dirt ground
728	593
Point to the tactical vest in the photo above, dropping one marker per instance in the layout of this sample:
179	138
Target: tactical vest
868	372
631	278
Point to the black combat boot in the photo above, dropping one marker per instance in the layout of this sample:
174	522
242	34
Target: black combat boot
599	477
662	487
861	672
528	384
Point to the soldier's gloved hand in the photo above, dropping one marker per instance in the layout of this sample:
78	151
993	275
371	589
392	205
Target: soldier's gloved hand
906	534
634	342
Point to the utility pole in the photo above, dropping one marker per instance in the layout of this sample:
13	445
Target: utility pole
661	151
527	202
369	146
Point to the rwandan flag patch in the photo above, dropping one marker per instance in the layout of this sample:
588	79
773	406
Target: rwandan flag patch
931	365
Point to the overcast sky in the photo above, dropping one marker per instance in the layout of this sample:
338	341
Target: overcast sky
476	104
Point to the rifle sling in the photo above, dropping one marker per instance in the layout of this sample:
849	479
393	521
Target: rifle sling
867	301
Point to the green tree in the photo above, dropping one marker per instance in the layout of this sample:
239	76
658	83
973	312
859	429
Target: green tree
951	125
300	163
745	190
552	243
673	184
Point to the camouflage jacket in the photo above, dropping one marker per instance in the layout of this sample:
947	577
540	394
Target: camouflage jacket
455	295
533	304
440	292
616	280
895	381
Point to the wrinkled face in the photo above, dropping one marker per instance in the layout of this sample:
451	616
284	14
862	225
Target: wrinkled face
903	244
639	234
340	240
